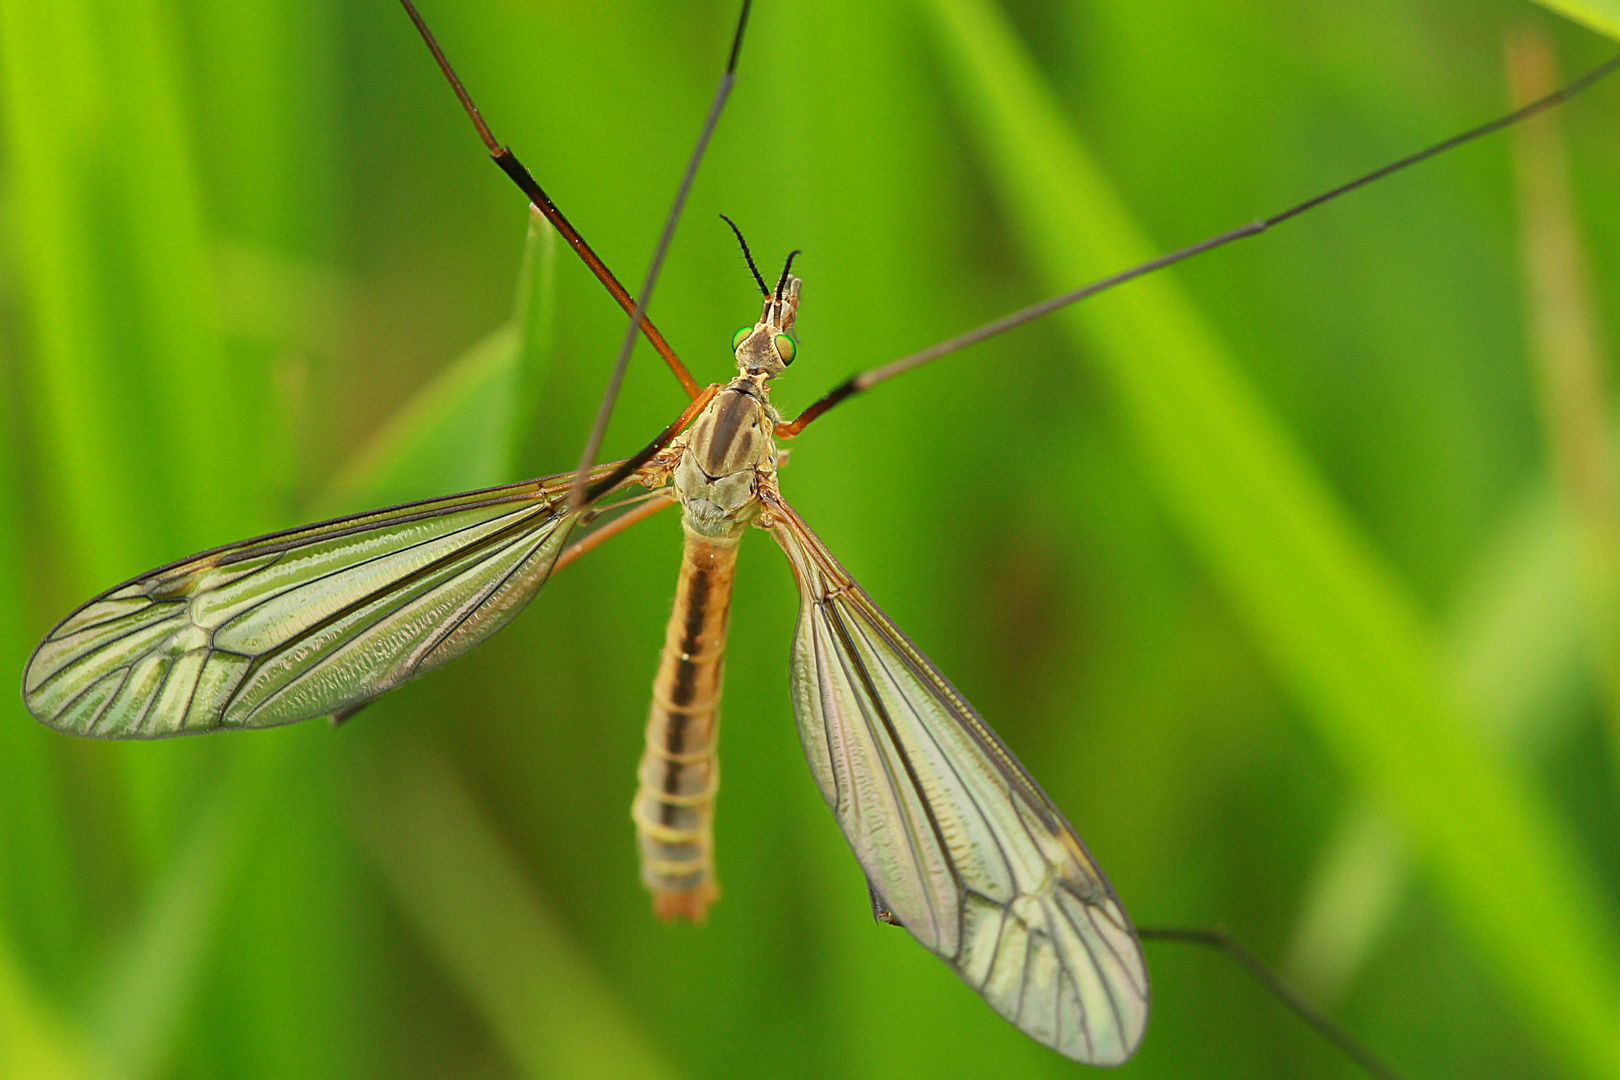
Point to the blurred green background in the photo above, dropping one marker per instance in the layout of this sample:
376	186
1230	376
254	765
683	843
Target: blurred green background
1293	575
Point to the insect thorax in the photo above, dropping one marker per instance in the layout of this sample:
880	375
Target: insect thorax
728	449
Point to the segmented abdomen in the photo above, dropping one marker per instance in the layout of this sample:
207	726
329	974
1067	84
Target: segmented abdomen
674	807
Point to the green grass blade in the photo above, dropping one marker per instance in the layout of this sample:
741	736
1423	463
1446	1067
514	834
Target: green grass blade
534	309
453	435
1517	637
1518	654
39	901
149	985
174	278
140	426
1517	645
1334	623
34	1044
1600	15
463	430
1568	357
117	272
53	91
1358	887
541	996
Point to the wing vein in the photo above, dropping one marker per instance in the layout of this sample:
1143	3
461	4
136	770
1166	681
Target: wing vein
152	698
357	632
304	535
1093	912
1073	981
124	674
360	564
446	632
112	616
995	951
67	706
1107	983
1023	968
849	655
506	533
823	692
97	646
950	761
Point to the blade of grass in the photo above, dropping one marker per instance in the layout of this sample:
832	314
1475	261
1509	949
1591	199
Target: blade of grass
1516	644
1530	616
1334	623
148	988
1600	15
545	1002
116	270
54	99
535	310
141	434
463	429
1567	352
34	1043
149	985
39	901
1517	654
170	253
1357	888
452	435
119	278
260	97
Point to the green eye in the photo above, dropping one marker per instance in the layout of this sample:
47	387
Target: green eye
786	347
739	337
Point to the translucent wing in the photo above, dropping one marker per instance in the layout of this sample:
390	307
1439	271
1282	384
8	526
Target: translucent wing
299	623
956	839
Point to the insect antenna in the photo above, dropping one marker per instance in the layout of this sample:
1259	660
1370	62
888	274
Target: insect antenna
525	180
749	255
594	442
781	282
1274	984
865	380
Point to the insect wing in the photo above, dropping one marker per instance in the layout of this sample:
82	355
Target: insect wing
957	841
300	623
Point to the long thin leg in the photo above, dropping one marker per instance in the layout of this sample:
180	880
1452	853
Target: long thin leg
630	464
655	502
521	177
593	443
1274	985
869	378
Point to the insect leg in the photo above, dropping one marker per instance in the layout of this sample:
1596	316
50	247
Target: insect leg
521	176
630	465
593	442
1277	988
865	380
880	908
658	501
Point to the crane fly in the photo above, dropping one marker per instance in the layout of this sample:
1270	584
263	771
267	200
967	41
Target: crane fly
959	844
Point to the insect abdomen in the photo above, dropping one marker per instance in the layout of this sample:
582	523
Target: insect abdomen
674	807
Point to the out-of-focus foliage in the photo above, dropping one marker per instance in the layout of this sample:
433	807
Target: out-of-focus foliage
1284	610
